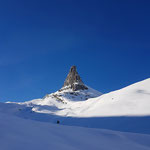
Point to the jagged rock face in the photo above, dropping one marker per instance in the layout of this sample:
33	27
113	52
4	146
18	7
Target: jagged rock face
74	81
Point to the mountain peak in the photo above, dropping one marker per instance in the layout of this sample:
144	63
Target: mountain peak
74	81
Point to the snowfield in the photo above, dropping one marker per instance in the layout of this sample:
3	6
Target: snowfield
32	124
133	100
23	134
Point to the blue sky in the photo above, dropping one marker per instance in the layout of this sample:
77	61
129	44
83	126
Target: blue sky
108	41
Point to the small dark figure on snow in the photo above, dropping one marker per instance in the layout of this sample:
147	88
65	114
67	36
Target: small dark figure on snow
58	121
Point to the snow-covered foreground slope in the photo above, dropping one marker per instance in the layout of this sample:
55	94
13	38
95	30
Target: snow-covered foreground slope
23	134
125	124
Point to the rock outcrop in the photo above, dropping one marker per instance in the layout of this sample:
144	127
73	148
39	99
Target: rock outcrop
74	81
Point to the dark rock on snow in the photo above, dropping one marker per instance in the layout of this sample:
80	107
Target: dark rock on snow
74	81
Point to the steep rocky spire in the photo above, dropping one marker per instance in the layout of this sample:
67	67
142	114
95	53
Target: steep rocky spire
74	81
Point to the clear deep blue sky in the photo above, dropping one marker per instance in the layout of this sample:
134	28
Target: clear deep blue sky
108	41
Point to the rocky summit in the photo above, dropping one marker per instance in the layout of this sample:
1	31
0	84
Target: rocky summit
74	81
72	90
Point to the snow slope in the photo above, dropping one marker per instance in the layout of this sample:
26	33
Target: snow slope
23	134
60	100
133	100
124	110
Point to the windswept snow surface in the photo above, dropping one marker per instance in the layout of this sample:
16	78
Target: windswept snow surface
23	134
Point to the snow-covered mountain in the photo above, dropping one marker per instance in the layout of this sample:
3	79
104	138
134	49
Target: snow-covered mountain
74	102
28	125
75	99
72	91
133	100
